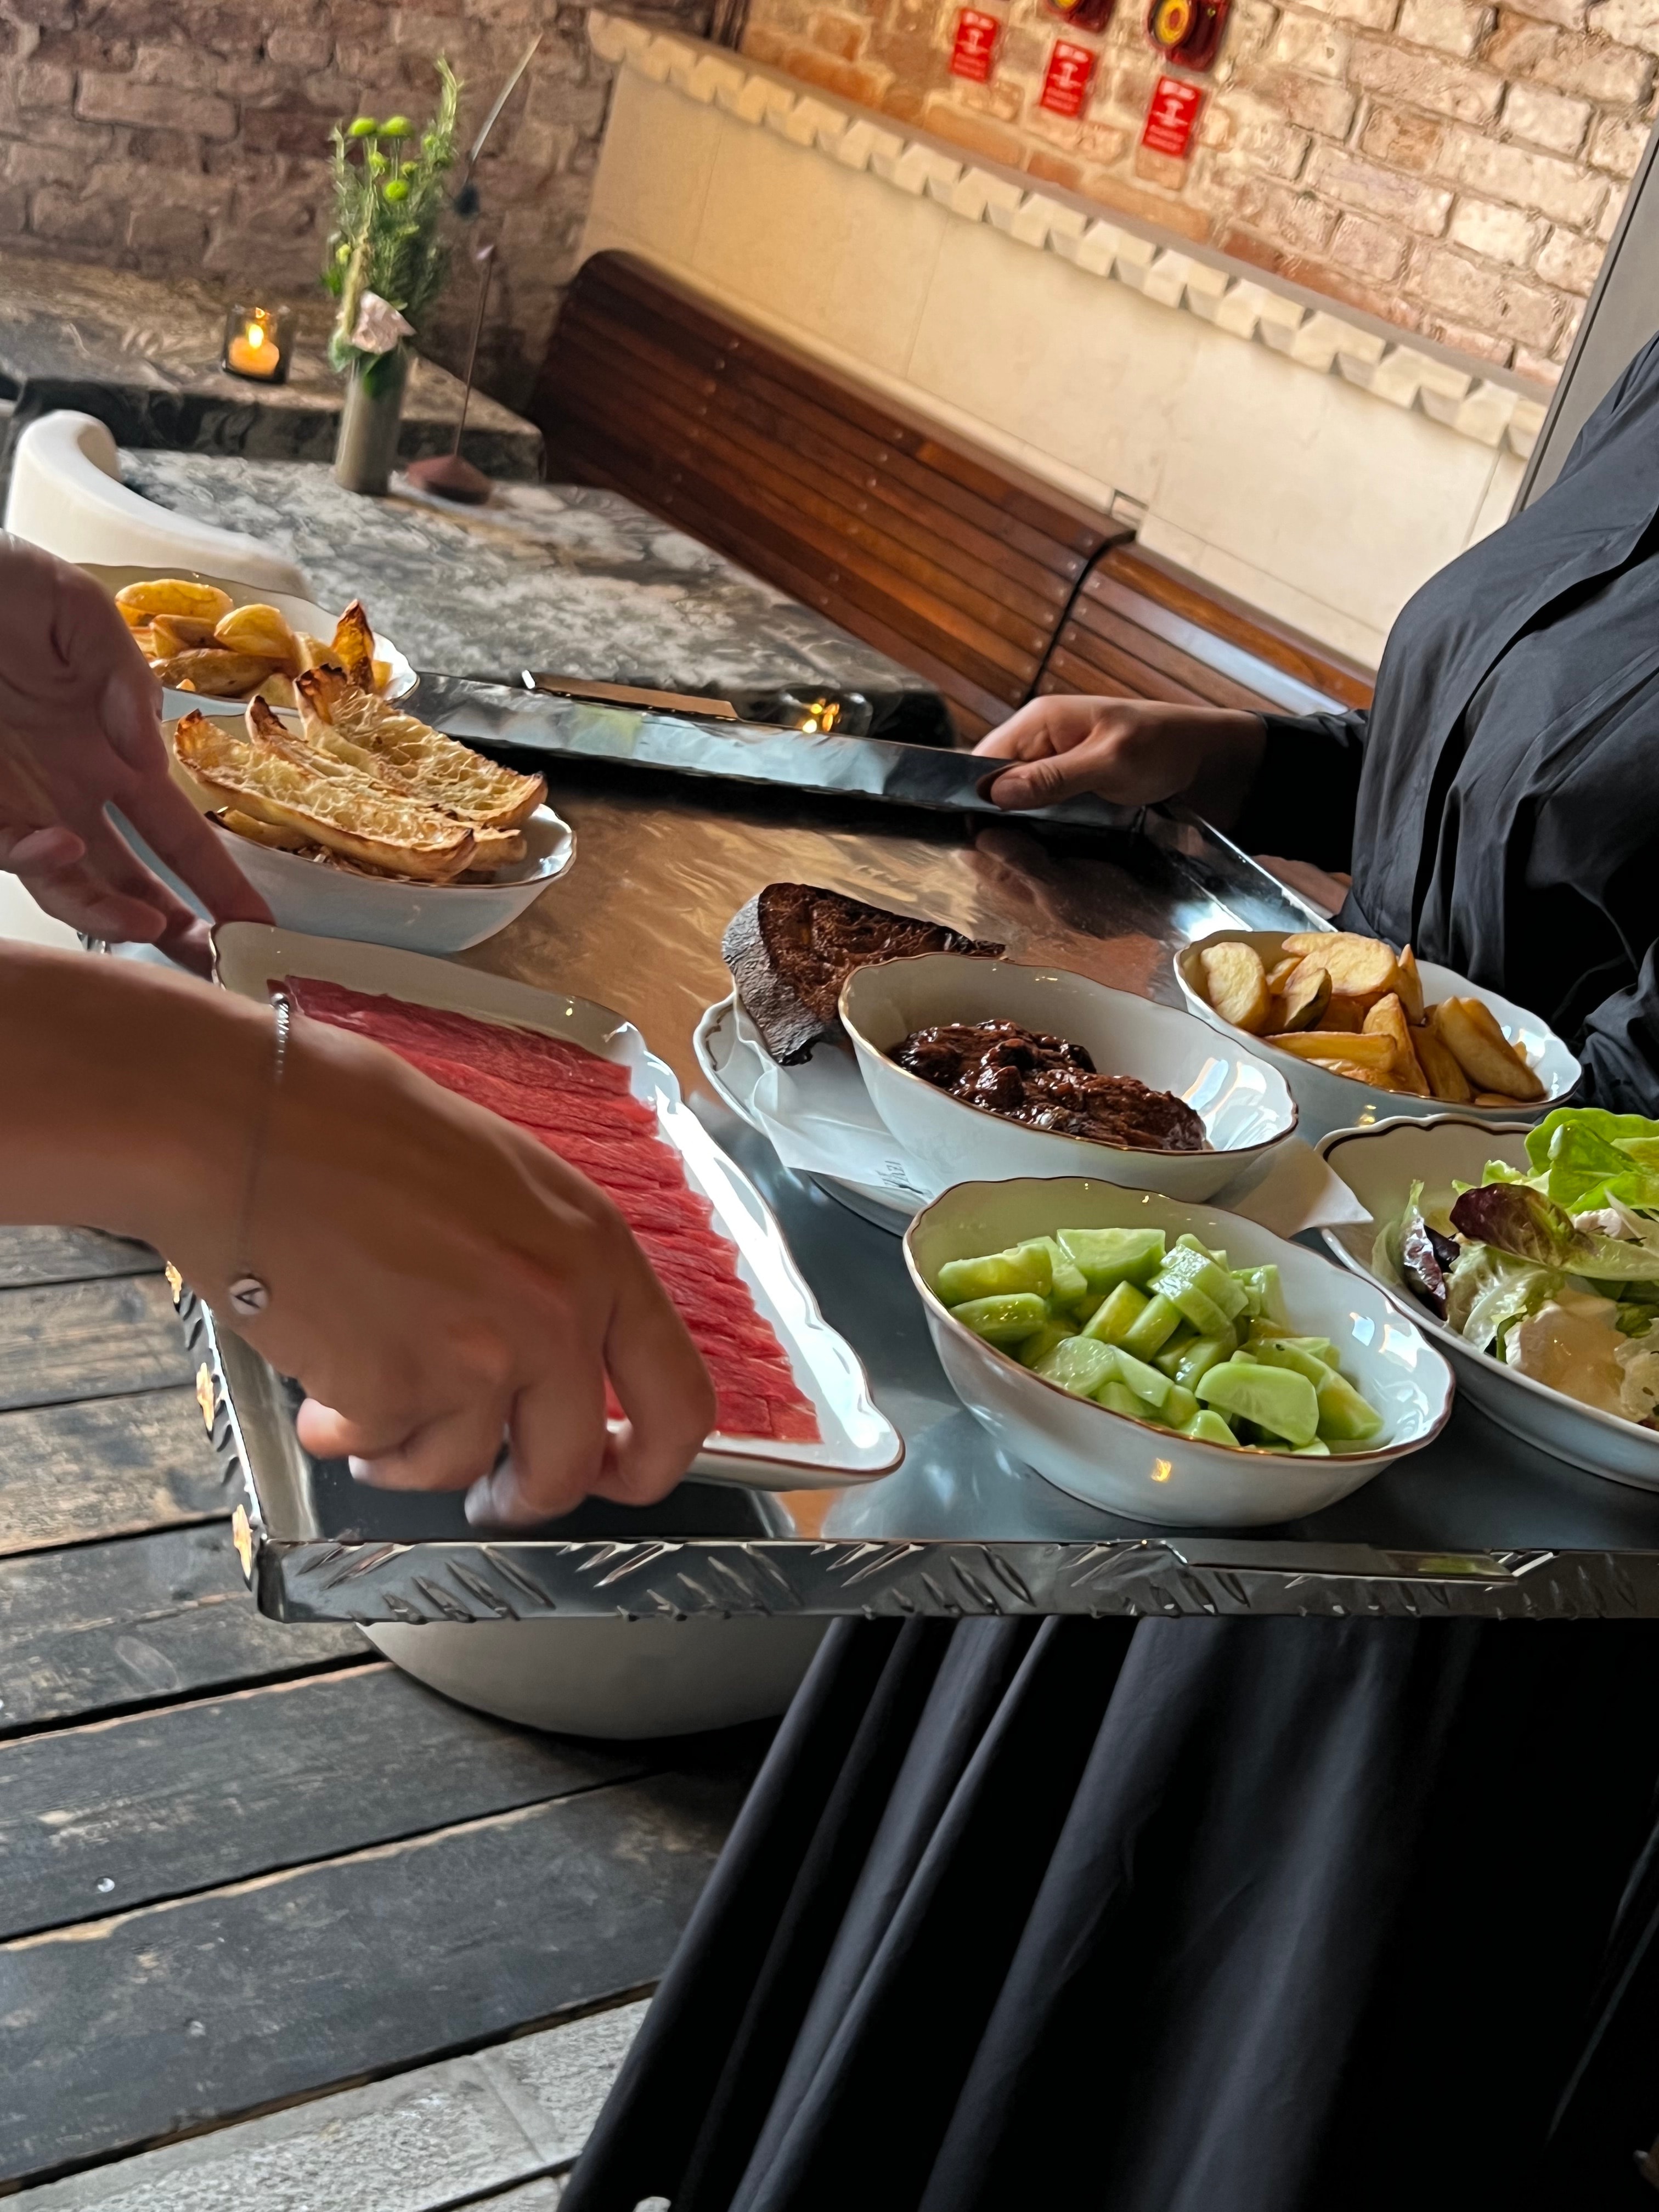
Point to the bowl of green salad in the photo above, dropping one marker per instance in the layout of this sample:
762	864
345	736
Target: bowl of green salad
1530	1256
1165	1360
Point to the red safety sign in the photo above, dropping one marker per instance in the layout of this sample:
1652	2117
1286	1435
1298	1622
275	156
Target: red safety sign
1170	116
1065	83
974	51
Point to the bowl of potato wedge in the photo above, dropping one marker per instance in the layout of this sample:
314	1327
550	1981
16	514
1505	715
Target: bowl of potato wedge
208	637
355	820
1360	1031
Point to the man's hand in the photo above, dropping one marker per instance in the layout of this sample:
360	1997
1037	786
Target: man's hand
1133	752
80	731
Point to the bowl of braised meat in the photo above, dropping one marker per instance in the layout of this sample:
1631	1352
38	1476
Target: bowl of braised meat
983	1069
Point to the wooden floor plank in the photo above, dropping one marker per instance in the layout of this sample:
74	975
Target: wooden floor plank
69	1255
419	2142
89	1340
114	2033
96	1819
139	1618
106	1466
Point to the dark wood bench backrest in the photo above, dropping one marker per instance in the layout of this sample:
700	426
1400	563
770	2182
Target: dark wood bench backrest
1143	627
932	551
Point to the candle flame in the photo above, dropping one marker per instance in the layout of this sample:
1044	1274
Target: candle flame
255	334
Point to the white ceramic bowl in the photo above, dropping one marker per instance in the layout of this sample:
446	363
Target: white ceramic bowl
1380	1165
1121	1465
1337	1102
300	614
1246	1106
325	902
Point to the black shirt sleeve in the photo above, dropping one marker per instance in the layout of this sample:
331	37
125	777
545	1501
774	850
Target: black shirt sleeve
1302	804
1621	1047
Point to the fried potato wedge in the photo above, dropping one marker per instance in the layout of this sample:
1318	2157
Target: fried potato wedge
1409	984
1469	1031
1386	1018
171	595
1281	972
1304	998
260	629
1236	985
214	672
1379	1079
1371	1052
1446	1078
343	811
1495	1098
354	647
357	727
171	634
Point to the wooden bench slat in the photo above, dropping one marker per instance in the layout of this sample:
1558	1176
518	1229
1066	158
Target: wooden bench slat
94	1339
96	1820
1109	673
124	2032
30	1257
106	1466
126	1623
1085	634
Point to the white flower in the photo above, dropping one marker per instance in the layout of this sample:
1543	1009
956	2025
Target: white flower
378	326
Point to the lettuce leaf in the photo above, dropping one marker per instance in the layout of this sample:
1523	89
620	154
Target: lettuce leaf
1515	1218
1584	1158
1488	1291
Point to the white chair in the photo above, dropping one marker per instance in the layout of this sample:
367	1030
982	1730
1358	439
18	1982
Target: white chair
67	496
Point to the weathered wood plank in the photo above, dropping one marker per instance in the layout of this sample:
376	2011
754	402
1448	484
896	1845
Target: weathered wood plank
106	1466
419	2141
69	1255
117	2033
141	1618
89	1340
97	1818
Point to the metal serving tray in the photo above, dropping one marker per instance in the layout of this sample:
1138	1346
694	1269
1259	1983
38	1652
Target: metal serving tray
1479	1524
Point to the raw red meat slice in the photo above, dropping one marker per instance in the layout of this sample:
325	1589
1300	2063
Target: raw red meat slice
580	1107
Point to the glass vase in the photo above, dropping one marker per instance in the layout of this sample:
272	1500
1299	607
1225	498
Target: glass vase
367	450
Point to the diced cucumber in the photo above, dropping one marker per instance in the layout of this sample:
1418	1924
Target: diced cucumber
1179	1408
1119	1398
1040	1346
1006	1320
1281	1352
1116	1313
1274	1398
1152	1328
1200	1354
1203	1293
1109	1256
1187	1242
1175	1352
1070	1285
1261	1291
1207	1427
1318	1449
1079	1365
1320	1347
996	1274
1148	1385
1345	1418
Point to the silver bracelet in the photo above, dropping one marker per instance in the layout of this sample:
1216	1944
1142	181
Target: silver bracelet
249	1295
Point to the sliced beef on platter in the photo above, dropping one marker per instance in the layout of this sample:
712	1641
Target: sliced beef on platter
581	1108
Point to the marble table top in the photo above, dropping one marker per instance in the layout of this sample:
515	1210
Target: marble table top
565	579
142	354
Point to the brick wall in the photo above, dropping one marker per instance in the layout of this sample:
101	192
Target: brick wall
1455	168
192	136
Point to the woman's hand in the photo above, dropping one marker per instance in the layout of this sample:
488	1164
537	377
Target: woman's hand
439	1283
79	732
1133	752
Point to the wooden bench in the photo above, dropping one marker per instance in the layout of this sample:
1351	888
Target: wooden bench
940	555
992	585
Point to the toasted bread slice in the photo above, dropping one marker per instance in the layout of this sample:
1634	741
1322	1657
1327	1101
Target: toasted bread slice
354	647
359	726
343	811
262	833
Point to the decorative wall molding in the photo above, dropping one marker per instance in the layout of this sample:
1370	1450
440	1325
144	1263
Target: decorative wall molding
1323	339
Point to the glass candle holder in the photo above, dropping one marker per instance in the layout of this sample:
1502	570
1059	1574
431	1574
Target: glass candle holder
257	344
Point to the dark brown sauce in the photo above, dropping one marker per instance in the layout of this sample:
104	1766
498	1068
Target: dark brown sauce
1028	1076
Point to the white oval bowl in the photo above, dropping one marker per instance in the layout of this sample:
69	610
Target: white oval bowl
299	614
1338	1101
1123	1466
325	902
1246	1106
1380	1165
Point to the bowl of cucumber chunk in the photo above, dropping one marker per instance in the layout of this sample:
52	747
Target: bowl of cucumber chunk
1166	1361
